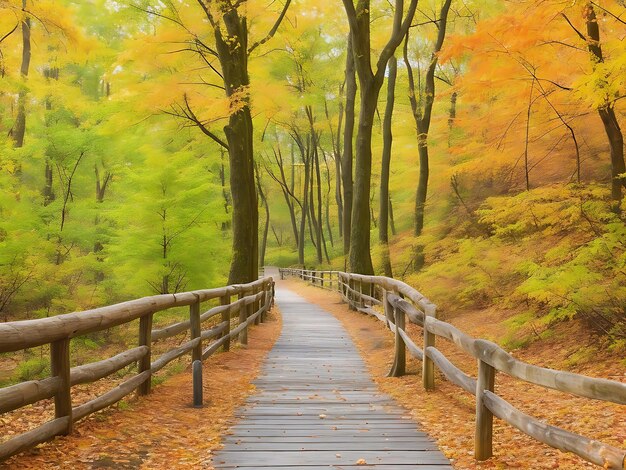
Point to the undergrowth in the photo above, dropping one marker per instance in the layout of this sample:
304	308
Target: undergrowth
552	254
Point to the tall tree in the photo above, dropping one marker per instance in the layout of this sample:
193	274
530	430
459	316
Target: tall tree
266	225
370	82
422	113
348	147
19	128
229	24
385	201
606	110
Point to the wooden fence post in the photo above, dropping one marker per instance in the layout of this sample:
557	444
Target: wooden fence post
263	303
60	367
361	303
351	286
195	329
243	317
322	279
428	367
483	436
145	339
225	300
398	368
256	305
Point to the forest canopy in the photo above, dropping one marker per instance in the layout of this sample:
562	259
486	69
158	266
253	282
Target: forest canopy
471	148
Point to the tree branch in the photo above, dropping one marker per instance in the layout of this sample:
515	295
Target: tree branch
580	35
190	115
270	35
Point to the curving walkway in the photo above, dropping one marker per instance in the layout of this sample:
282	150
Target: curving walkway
316	406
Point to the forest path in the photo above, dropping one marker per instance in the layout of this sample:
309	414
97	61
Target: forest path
317	407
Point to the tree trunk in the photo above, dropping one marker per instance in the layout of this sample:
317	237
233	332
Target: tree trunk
607	112
370	82
19	129
348	137
316	182
423	116
616	142
232	50
336	145
422	187
267	219
360	256
314	224
383	226
392	222
327	206
287	189
305	204
383	222
328	224
48	189
225	193
451	116
338	185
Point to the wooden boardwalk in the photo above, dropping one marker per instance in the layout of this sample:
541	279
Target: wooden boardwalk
316	407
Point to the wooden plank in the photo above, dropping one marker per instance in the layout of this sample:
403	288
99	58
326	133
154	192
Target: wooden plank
60	367
599	389
112	396
483	435
98	370
317	407
341	438
352	446
26	334
145	340
452	373
344	467
601	454
30	439
25	393
277	459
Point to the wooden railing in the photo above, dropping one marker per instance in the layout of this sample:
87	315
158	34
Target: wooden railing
399	300
253	301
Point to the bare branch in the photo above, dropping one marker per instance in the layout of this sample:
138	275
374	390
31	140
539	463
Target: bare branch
270	35
610	13
580	35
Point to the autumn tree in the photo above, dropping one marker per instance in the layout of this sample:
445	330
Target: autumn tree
606	108
370	83
19	129
347	158
383	223
422	107
226	55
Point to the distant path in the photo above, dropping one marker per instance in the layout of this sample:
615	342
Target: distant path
316	406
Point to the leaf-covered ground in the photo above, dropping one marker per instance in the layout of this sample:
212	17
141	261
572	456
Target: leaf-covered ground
162	430
447	414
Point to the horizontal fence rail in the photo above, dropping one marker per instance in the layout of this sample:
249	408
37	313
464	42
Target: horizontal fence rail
235	316
400	301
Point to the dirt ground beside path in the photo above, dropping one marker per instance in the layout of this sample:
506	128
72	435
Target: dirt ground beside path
447	414
163	430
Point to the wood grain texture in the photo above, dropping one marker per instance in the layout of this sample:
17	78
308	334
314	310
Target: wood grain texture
594	451
24	334
317	407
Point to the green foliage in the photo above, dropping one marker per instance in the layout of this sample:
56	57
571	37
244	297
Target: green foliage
559	250
32	369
